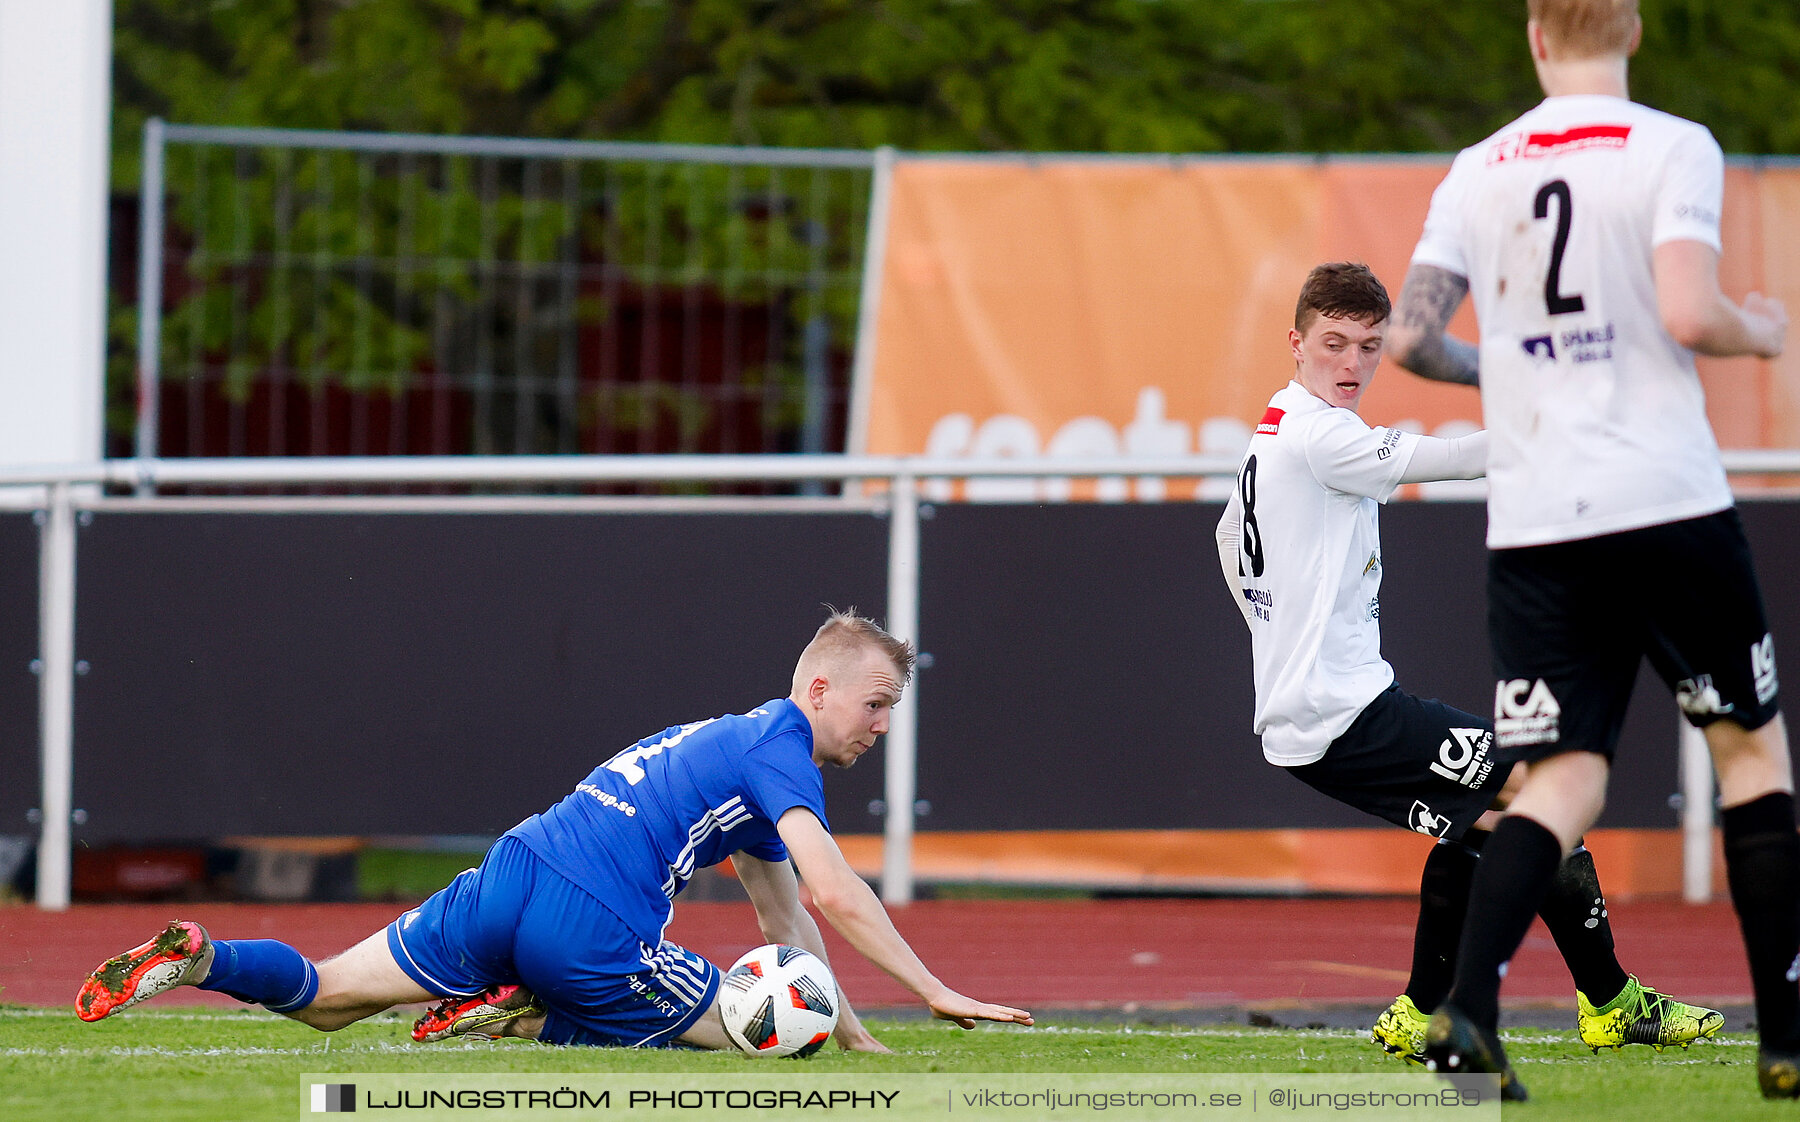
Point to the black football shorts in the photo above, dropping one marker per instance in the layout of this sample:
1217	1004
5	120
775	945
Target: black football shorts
1416	762
1569	622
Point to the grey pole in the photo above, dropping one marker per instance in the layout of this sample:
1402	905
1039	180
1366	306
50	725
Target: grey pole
150	268
868	309
1696	815
56	695
902	767
814	342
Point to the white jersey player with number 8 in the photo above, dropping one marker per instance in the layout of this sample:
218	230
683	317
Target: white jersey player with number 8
1300	546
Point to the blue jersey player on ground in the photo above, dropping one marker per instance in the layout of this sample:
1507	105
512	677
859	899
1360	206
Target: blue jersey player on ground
558	936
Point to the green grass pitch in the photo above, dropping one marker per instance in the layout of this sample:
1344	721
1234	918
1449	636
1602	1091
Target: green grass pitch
194	1065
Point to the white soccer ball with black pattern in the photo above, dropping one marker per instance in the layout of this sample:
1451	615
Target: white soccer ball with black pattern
779	1001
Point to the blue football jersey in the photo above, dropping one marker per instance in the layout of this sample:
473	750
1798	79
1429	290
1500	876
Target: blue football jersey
635	830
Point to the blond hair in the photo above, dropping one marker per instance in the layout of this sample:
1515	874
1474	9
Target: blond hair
1578	29
845	635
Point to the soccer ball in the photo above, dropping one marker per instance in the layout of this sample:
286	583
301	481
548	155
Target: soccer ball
779	1001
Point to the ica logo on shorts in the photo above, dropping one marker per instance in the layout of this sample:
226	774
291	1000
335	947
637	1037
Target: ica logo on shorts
1525	712
1463	757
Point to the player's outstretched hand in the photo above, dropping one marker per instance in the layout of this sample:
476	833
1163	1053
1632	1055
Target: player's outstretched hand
1767	320
965	1011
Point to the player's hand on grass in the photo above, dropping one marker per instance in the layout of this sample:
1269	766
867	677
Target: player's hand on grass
965	1011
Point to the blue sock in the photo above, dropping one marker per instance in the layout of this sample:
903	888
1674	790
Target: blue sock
262	972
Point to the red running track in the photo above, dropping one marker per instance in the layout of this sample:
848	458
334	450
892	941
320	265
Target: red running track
1129	955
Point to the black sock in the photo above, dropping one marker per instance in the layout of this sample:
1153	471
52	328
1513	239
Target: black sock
1443	899
1762	864
1511	879
1575	912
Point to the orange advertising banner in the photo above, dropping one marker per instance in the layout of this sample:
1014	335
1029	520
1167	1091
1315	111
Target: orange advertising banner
1100	307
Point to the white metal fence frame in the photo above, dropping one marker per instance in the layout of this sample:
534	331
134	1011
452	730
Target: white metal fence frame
160	134
69	489
880	162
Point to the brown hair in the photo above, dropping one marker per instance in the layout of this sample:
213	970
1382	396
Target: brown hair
844	633
1341	290
1576	29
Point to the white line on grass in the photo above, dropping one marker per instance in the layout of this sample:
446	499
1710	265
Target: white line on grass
1175	1033
1709	1042
1664	1061
1204	1031
1232	1032
152	1050
158	1014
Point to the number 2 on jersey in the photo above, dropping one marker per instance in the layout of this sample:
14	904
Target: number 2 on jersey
1251	545
629	763
1554	301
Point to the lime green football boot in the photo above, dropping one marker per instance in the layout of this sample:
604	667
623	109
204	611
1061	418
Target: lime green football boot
1641	1015
1400	1030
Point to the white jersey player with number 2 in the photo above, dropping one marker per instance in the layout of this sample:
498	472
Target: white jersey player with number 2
1586	232
1597	416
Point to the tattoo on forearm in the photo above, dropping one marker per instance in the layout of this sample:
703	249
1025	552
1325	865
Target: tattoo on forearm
1457	362
1428	299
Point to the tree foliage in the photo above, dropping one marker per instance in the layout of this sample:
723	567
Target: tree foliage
1174	76
998	75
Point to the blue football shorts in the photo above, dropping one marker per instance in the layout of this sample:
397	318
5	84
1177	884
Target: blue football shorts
515	920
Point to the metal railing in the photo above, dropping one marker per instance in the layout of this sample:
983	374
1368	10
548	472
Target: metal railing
71	488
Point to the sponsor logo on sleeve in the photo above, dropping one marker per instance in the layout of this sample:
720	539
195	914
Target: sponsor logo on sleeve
1271	421
1525	712
1697	212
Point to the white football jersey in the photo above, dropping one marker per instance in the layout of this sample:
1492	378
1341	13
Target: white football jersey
1597	418
1307	567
